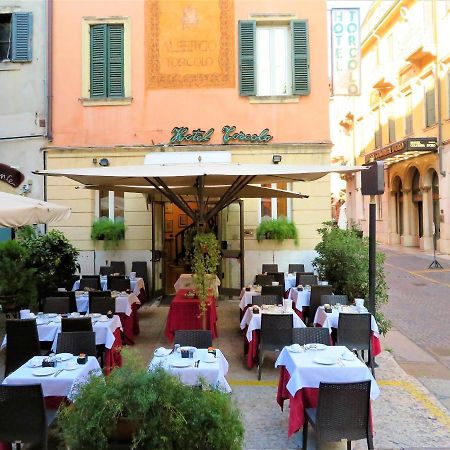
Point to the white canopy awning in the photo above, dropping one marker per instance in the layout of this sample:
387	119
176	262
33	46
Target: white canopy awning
17	211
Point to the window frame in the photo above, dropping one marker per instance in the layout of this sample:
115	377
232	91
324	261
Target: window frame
274	206
378	130
391	123
8	58
111	205
428	90
409	118
86	24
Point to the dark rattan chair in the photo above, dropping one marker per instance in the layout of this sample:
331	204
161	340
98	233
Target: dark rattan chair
22	343
77	342
72	299
354	331
70	282
342	412
102	305
264	280
23	416
194	338
333	299
276	332
140	267
265	300
306	278
294	268
278	276
273	290
266	268
58	305
91	282
106	270
118	284
119	267
304	336
76	324
314	302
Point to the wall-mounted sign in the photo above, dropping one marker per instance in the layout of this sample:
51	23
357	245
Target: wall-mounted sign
401	150
345	51
11	176
182	135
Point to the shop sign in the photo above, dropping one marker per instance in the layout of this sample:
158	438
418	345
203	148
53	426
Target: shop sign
182	135
11	176
406	145
346	51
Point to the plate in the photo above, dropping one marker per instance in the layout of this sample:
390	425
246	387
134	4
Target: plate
295	348
51	315
161	351
64	356
35	362
96	315
103	319
326	360
347	356
315	346
209	359
182	363
71	366
44	372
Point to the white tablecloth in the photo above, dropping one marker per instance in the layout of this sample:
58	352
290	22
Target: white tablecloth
63	385
213	373
289	280
186	281
300	298
305	373
247	297
253	321
136	284
331	320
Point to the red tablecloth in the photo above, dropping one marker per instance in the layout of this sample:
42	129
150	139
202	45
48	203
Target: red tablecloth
184	314
130	325
113	356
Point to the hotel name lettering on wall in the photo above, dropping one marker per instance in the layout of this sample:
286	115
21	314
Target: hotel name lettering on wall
182	135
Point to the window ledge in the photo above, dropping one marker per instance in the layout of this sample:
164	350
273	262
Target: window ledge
7	65
430	127
275	99
106	101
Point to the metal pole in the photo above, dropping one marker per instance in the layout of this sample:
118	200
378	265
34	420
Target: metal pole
372	253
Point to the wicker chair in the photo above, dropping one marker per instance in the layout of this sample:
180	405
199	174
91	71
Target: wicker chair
354	331
91	282
306	278
22	343
194	338
119	267
118	284
72	299
276	332
76	324
278	276
304	336
106	270
77	342
294	268
342	412
265	300
273	290
333	299
58	305
314	302
264	280
102	305
266	268
23	416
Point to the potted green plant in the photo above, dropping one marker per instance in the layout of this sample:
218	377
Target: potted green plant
277	229
109	231
154	408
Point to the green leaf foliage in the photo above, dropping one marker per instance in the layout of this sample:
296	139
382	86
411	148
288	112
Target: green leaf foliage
163	412
16	278
277	229
343	260
109	231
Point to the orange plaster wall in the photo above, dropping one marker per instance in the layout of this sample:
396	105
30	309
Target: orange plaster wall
154	112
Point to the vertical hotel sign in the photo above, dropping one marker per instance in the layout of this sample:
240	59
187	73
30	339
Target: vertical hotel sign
345	51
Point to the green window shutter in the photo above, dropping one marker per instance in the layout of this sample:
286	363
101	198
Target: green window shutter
430	107
98	60
247	57
21	31
115	67
300	57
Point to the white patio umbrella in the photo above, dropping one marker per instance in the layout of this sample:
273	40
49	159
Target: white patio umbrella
16	211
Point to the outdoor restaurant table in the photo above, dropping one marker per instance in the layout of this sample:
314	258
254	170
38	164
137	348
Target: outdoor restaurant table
252	323
299	298
212	373
186	281
331	320
300	377
184	314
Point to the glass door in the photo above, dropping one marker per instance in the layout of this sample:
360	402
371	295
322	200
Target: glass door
157	249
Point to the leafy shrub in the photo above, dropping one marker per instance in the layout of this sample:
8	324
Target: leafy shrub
16	279
278	229
343	260
109	231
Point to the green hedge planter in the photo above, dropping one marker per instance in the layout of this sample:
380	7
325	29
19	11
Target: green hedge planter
277	229
109	231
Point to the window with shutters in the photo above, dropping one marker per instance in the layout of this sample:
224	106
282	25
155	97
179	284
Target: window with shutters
391	123
377	128
430	109
273	59
408	114
15	37
110	204
273	208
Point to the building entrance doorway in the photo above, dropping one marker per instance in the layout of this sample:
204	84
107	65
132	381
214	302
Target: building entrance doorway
417	204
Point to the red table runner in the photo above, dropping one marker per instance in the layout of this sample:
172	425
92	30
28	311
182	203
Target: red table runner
184	314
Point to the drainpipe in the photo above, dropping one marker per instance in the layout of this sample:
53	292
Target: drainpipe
50	70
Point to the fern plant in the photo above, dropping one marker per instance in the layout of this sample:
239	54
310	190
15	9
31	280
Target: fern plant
277	229
109	231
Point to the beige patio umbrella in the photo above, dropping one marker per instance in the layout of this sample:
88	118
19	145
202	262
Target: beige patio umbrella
17	211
